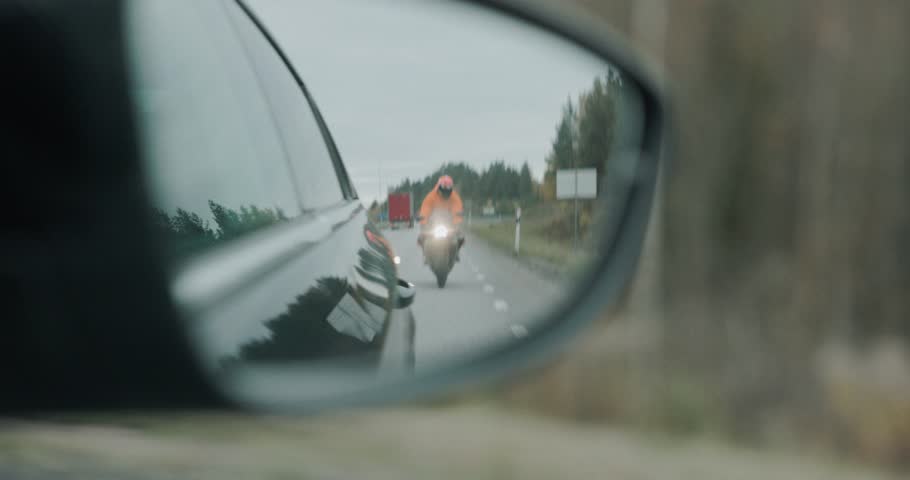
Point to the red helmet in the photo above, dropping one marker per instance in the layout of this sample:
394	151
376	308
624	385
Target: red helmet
445	181
445	185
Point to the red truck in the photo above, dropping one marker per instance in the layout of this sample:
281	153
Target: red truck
400	210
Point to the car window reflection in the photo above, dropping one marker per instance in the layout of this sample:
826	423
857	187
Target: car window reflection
188	232
211	148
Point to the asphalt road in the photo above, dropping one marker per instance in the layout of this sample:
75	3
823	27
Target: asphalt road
489	298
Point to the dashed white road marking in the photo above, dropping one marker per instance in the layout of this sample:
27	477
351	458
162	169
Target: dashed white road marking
519	331
500	305
480	277
488	288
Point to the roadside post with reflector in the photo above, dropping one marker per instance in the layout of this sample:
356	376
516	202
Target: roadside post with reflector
517	229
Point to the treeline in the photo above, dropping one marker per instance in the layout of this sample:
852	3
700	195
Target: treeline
188	232
586	132
499	184
584	138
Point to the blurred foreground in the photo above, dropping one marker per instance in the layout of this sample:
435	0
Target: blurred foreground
771	308
475	440
771	305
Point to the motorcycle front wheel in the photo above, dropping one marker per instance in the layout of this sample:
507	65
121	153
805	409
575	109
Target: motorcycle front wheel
441	279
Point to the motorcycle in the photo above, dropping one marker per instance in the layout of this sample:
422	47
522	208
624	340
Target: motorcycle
440	245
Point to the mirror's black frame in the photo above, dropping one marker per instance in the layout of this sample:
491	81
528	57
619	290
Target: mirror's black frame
91	324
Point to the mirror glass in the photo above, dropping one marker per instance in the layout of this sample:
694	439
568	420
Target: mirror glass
460	177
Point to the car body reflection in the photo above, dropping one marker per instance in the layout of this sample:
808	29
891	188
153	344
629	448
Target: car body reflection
351	304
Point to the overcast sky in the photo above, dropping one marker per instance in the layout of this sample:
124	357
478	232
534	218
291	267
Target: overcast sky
407	85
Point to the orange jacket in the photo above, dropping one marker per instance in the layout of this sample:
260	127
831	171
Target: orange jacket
434	201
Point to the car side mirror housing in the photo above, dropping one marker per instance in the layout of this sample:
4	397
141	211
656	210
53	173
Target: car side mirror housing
144	280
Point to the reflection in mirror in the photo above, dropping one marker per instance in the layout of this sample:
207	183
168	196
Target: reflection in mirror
490	158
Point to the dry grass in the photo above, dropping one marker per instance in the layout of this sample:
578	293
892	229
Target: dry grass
868	395
546	237
618	375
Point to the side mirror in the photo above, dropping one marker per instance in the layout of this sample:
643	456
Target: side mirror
203	243
539	114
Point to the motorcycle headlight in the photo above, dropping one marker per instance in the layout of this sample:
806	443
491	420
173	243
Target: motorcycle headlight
440	232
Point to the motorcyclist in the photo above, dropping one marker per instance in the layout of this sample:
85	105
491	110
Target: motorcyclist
443	197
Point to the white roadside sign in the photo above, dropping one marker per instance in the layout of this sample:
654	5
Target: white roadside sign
586	182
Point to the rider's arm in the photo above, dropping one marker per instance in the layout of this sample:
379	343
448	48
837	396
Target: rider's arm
457	207
426	208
